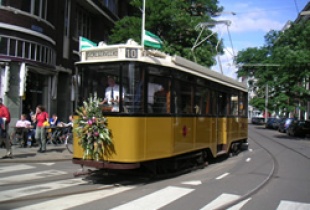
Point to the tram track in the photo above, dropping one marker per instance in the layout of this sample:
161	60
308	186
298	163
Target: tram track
273	171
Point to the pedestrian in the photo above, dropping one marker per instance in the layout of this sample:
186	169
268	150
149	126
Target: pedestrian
41	116
5	118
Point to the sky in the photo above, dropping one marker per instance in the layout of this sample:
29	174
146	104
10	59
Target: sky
253	19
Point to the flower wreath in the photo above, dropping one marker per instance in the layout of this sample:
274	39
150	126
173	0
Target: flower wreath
92	131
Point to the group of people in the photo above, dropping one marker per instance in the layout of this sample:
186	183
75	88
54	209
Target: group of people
30	129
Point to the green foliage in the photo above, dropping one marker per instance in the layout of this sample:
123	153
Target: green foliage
284	66
174	21
92	130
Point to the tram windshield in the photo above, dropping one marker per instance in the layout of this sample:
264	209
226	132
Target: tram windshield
121	87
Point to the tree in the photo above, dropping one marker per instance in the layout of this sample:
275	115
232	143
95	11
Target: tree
284	67
174	21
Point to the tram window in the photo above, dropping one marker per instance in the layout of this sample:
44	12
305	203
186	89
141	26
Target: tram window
99	79
157	90
213	103
208	101
243	104
200	100
185	104
222	103
234	104
133	79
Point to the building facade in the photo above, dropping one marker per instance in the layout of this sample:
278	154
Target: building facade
39	44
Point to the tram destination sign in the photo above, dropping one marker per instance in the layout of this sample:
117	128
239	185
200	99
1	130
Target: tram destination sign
102	54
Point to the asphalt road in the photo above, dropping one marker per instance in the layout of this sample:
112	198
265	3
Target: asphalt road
272	174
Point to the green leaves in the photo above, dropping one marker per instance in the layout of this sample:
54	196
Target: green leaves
284	66
174	22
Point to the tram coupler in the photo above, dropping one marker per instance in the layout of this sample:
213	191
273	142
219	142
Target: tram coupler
82	172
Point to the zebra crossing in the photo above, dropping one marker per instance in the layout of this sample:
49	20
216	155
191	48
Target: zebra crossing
150	201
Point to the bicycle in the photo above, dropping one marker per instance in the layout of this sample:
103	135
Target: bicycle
69	142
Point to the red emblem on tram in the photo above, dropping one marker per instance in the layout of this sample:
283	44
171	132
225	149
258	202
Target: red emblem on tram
184	131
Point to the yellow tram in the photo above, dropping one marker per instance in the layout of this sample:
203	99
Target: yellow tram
167	109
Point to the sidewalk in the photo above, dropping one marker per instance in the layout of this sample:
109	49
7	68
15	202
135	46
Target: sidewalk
28	155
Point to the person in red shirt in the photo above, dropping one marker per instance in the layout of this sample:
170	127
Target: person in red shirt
5	118
40	117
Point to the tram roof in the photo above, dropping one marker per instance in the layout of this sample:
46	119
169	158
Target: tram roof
131	51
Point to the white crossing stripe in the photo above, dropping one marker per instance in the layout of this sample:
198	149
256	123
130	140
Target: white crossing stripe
156	200
239	205
20	167
47	164
222	199
195	182
37	189
75	200
291	205
222	176
31	176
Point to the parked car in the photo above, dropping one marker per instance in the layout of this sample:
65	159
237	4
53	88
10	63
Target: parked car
258	120
272	122
277	123
299	128
284	124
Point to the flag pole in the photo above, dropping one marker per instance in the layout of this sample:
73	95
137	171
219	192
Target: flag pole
143	24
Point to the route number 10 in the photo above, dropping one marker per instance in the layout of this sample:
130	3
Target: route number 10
131	53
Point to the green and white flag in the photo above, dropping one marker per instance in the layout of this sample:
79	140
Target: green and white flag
86	43
151	40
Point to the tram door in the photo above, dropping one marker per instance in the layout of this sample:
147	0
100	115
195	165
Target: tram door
183	104
221	121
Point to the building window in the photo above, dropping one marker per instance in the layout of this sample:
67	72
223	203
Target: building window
83	23
34	7
112	5
10	46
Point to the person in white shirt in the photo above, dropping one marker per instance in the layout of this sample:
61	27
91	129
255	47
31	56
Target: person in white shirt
20	128
112	95
23	122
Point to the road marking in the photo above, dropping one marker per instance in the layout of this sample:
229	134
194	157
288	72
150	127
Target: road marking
291	205
239	205
248	160
47	164
220	200
250	150
37	189
75	200
156	200
195	182
222	176
7	169
31	176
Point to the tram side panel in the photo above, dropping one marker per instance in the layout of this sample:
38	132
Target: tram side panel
159	137
237	129
204	134
137	139
183	128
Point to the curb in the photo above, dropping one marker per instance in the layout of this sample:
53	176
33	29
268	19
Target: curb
30	155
